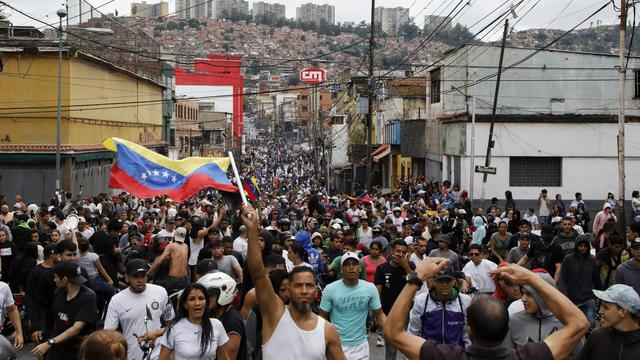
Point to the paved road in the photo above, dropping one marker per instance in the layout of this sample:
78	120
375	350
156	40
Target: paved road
377	353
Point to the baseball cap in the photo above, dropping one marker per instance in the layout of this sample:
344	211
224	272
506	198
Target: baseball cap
447	274
180	235
336	226
622	295
349	255
49	249
136	265
171	220
316	234
635	242
243	228
71	270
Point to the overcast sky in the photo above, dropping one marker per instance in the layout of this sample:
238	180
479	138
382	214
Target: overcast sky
560	14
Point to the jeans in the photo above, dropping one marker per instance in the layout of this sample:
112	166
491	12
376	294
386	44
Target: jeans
101	288
390	352
589	310
543	220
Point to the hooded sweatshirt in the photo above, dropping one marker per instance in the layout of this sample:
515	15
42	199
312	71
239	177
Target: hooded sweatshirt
601	218
480	232
526	328
629	274
579	274
315	260
609	343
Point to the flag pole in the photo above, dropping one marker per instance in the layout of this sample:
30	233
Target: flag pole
238	180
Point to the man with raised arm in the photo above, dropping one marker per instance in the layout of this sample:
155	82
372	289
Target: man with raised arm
488	321
290	332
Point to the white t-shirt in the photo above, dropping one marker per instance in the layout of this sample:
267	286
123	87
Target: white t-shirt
479	275
416	260
241	245
6	297
194	250
354	214
129	309
184	339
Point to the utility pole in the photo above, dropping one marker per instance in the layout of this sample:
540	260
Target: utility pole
61	14
472	160
491	143
372	95
621	113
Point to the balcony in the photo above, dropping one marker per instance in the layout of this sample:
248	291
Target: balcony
393	133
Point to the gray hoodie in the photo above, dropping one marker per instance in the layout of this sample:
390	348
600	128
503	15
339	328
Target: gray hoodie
629	274
527	328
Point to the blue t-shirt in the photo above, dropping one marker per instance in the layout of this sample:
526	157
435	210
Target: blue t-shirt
348	307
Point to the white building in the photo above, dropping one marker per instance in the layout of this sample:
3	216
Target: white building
392	20
433	22
147	10
555	127
80	11
214	9
314	13
275	11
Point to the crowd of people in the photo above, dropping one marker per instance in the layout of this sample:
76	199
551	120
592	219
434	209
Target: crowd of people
305	274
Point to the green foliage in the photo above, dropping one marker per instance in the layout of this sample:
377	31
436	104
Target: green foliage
454	36
193	23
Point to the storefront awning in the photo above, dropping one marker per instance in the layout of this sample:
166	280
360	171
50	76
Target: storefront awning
381	152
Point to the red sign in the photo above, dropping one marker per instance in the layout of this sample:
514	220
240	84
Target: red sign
313	76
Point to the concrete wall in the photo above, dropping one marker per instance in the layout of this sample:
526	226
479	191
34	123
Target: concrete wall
588	151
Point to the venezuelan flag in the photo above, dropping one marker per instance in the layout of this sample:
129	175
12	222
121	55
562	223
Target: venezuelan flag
146	174
250	186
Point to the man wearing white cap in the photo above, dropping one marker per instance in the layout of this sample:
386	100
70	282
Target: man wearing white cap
177	253
347	303
619	336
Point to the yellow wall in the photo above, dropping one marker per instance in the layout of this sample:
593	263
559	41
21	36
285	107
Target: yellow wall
30	83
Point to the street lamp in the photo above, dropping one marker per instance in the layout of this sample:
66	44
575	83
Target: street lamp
61	14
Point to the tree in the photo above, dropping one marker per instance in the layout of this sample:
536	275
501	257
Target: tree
193	23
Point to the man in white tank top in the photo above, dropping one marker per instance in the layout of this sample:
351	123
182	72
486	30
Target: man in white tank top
290	332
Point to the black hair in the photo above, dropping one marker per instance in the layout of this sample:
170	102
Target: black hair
524	222
300	270
114	225
273	260
397	242
182	313
300	250
475	247
635	193
377	243
488	319
83	244
227	239
578	194
615	239
277	276
66	245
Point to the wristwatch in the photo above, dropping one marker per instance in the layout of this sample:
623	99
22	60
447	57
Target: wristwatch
51	342
412	278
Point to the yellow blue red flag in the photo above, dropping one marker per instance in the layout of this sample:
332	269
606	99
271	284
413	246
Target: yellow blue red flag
145	173
250	186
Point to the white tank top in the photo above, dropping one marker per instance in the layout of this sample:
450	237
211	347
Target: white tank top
194	249
289	342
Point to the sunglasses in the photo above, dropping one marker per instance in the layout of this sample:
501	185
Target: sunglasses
474	254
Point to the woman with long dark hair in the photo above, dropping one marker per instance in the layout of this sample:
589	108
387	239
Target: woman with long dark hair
191	327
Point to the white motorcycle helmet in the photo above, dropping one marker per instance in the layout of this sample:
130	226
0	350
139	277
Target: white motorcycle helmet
222	283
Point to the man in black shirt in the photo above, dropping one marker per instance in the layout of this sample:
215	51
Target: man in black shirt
74	308
545	253
104	244
389	279
8	252
222	290
488	321
35	311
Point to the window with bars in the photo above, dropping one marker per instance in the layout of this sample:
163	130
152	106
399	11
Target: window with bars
636	83
535	171
435	85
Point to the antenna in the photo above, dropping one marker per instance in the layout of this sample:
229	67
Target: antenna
513	11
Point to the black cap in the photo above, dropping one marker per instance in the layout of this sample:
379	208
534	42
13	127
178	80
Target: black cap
635	227
136	265
635	242
71	270
206	266
447	274
171	220
49	249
